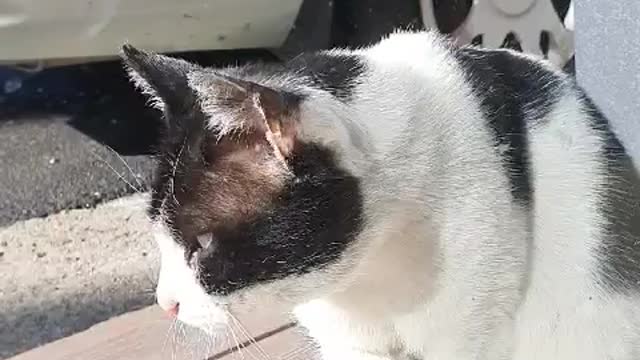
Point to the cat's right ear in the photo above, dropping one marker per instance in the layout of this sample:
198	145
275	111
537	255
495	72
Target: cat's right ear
163	79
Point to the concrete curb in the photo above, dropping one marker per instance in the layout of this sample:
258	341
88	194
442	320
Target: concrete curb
63	273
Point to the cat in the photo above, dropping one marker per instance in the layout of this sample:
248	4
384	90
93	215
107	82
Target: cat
407	200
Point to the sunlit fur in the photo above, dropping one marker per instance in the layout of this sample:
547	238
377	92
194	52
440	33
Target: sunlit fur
447	266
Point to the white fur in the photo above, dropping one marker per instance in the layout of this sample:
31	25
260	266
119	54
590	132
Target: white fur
447	267
177	284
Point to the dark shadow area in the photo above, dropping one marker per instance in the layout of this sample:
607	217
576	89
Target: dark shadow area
570	67
28	327
358	24
450	14
99	99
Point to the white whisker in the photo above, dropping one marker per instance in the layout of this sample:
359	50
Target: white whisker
135	176
175	169
246	333
238	346
138	191
166	336
228	339
209	339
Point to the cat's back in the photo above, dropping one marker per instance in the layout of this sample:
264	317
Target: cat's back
581	191
564	166
572	178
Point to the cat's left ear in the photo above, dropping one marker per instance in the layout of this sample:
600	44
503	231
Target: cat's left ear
238	107
162	78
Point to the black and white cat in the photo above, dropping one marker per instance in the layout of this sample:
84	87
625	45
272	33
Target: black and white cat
410	200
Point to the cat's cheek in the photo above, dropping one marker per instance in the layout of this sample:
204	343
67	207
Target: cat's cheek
178	284
205	315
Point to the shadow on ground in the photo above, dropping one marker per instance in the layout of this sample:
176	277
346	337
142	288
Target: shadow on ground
27	327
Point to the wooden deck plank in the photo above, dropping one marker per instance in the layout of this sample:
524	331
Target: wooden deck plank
142	335
290	344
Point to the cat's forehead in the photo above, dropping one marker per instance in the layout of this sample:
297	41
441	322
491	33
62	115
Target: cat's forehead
210	184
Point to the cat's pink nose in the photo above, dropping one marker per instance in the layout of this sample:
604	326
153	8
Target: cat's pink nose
171	309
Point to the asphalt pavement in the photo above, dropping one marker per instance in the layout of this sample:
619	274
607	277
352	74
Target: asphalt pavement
48	166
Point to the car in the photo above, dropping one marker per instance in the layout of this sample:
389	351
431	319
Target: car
47	33
62	31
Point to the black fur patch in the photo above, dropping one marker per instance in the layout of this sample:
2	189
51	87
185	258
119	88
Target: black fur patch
337	74
620	252
179	148
167	76
307	226
514	92
312	221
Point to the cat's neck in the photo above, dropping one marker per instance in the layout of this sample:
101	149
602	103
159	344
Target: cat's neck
419	134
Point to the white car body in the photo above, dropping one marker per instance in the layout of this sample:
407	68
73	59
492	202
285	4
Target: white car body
45	30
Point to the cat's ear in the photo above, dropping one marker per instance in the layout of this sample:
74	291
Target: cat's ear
162	78
236	106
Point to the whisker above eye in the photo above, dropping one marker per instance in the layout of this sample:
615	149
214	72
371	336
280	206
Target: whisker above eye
120	176
124	162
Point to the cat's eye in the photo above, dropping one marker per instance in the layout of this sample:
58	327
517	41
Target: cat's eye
205	240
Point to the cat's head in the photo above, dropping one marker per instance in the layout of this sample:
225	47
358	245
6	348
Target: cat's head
251	195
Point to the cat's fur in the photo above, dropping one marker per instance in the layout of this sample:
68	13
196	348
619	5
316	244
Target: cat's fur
410	200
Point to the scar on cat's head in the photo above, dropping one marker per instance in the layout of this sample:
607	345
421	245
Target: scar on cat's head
227	142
